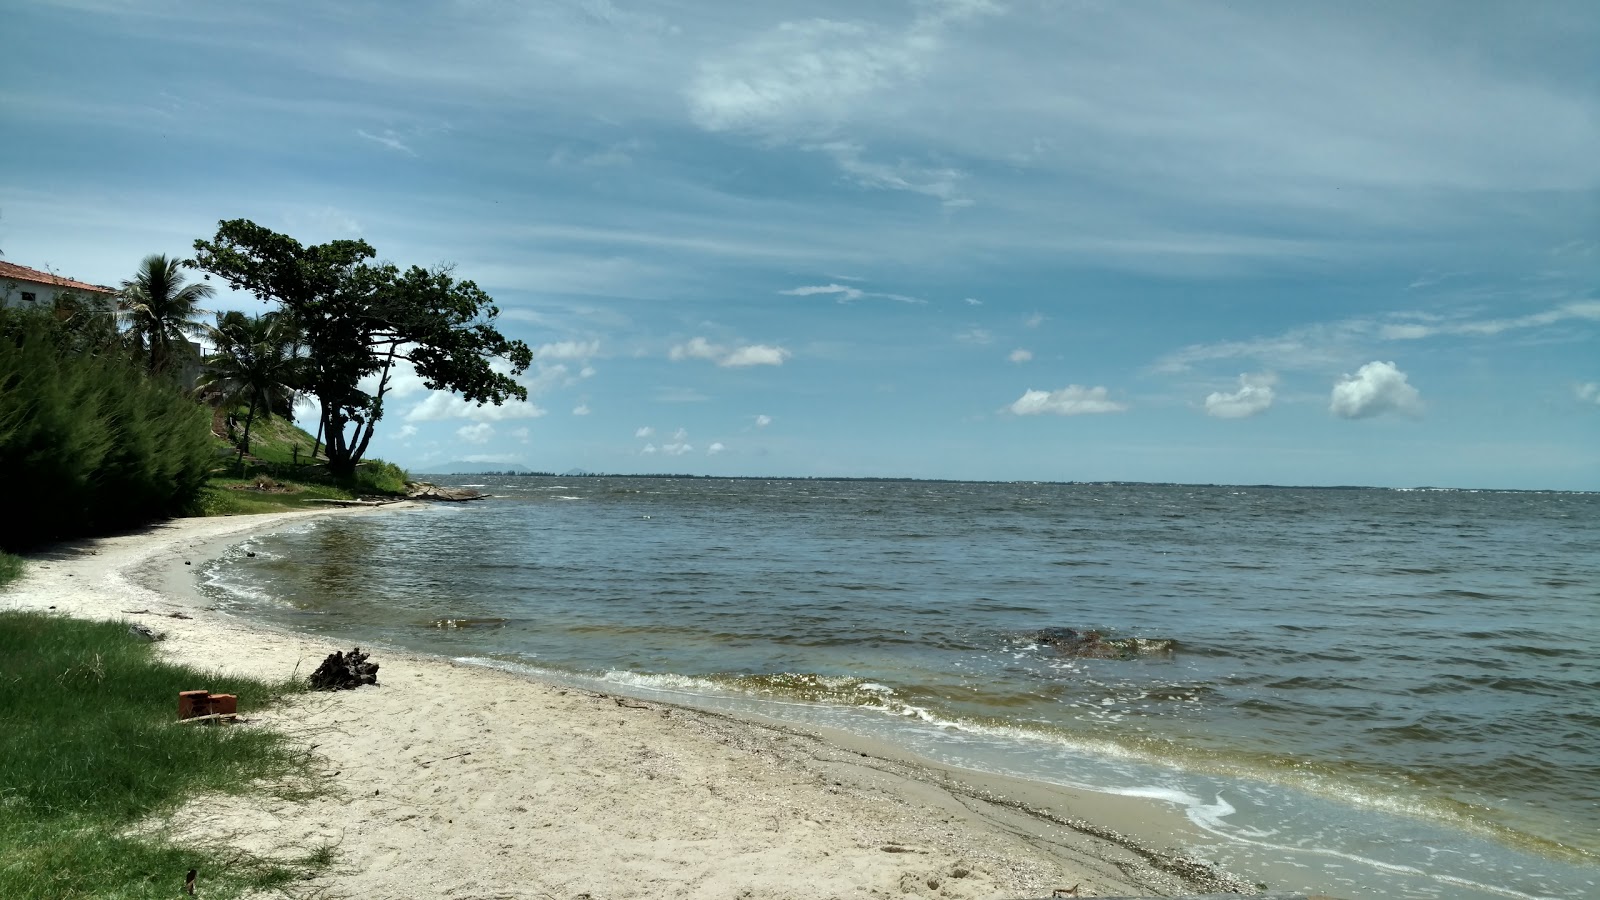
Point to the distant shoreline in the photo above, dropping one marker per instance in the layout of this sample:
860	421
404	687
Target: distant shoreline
846	479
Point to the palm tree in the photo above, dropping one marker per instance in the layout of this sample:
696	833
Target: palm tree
257	364
161	308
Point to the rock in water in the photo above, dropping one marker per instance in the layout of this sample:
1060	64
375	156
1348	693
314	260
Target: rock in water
342	671
1094	645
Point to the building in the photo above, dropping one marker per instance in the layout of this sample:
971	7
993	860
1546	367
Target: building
23	287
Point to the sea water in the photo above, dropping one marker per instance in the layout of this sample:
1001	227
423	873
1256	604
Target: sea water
1372	693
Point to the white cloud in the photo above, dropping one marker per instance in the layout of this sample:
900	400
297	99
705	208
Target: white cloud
1376	388
645	432
648	449
696	348
1253	396
844	292
582	409
715	448
1020	355
681	435
801	80
763	421
406	431
737	357
476	434
974	301
755	355
1588	392
441	405
1072	400
521	434
678	449
586	372
1035	320
571	350
403	380
847	294
975	336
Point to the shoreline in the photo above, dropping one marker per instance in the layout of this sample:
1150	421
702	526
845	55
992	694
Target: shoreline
437	769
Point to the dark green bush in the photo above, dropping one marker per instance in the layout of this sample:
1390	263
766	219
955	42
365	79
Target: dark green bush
89	442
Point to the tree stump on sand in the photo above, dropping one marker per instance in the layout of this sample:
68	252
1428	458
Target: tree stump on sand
342	671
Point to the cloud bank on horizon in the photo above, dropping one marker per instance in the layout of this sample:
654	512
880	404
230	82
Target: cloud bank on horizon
1006	239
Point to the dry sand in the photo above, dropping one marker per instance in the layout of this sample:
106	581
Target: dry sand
458	781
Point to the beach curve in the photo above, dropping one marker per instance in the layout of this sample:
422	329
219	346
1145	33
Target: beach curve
458	780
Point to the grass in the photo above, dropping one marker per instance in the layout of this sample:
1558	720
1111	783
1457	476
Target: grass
273	443
10	568
88	750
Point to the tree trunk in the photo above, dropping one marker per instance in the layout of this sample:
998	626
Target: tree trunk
244	445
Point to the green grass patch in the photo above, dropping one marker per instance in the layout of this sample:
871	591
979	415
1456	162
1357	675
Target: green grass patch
239	497
88	749
273	444
10	568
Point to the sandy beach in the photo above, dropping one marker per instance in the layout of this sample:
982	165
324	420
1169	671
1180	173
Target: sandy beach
459	781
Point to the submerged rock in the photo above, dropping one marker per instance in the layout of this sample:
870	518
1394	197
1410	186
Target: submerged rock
1094	645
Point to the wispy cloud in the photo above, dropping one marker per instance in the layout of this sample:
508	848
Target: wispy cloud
388	139
1319	345
1020	355
846	293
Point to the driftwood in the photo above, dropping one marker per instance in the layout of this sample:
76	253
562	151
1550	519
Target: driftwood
343	672
422	490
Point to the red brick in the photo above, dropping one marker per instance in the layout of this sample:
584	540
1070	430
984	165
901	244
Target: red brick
193	703
224	704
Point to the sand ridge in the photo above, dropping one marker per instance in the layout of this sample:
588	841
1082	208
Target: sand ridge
450	780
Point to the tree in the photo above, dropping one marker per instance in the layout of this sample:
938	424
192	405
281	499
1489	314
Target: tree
161	308
359	317
256	364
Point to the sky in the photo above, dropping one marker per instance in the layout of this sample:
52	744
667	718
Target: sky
1243	242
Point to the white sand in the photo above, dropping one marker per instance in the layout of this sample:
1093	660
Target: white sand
463	782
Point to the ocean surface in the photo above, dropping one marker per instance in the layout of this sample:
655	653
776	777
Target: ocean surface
1371	693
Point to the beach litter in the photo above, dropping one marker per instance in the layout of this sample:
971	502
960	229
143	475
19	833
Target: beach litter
340	671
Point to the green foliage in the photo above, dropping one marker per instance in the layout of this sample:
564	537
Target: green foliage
160	309
88	750
257	364
88	442
10	568
358	317
378	477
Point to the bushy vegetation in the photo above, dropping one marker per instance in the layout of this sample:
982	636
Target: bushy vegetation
10	568
88	749
89	442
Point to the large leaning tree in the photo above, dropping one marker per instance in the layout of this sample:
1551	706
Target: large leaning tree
358	317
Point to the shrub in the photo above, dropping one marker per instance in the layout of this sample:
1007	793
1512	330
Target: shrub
89	442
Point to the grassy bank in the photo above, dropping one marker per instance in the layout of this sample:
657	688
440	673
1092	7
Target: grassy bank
88	749
10	568
281	475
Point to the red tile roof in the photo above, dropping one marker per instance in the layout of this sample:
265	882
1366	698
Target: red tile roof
23	273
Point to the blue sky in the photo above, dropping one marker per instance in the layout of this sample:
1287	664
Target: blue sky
1353	243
